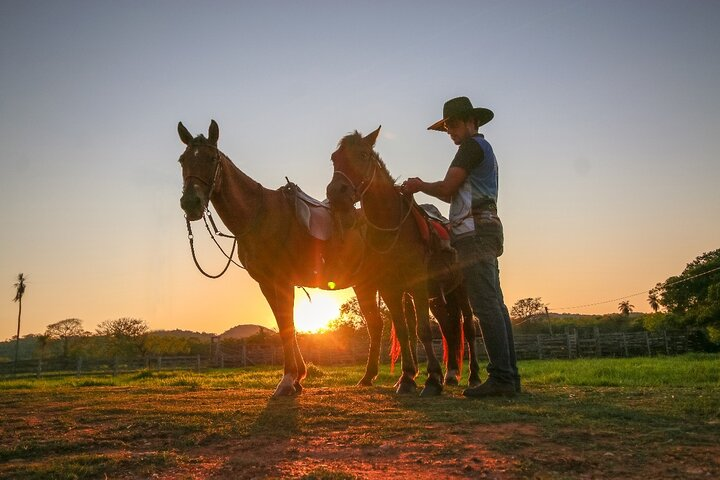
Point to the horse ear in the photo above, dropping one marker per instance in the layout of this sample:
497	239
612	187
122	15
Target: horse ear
184	134
372	137
214	132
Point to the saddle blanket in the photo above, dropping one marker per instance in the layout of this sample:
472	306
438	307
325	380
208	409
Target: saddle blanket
311	213
431	216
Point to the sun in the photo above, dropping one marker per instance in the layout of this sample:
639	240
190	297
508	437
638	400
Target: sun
311	317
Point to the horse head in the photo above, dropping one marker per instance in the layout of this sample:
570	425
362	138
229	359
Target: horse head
200	164
354	166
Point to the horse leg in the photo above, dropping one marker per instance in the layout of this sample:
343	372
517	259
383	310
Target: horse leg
411	322
434	382
301	366
280	298
470	334
367	301
406	382
448	317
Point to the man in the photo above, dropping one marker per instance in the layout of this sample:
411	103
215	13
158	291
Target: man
471	187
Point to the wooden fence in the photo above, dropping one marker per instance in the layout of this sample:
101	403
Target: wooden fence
591	344
114	366
568	345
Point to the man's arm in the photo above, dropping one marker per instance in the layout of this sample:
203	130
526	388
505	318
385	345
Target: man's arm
443	190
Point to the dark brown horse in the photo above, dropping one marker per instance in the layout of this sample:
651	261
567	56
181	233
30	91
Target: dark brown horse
396	241
275	248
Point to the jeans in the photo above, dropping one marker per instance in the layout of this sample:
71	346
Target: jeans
478	257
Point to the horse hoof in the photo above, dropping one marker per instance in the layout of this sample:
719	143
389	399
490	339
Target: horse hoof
298	388
406	387
431	390
452	381
365	382
474	382
285	391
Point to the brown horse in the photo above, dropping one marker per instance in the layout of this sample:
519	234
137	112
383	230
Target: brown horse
275	248
394	237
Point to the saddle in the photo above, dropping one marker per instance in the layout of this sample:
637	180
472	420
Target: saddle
443	272
434	214
336	256
434	227
313	214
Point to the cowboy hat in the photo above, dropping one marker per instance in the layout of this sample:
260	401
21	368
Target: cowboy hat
461	106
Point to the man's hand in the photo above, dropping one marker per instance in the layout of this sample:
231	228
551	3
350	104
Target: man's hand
412	185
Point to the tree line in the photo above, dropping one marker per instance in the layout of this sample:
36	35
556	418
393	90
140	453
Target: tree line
122	337
688	300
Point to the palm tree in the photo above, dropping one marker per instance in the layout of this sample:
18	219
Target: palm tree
19	292
625	307
654	301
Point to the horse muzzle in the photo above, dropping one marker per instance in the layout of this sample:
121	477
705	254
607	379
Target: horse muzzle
193	202
341	195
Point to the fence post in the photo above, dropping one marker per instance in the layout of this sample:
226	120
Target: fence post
625	345
667	347
222	360
567	342
79	367
647	342
39	368
215	348
598	345
577	343
539	344
160	362
198	363
115	366
244	353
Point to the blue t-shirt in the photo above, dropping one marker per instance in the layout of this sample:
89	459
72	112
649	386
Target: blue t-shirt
476	157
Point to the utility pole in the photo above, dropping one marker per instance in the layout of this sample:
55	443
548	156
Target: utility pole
547	316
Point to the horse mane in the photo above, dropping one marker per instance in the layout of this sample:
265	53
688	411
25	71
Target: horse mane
200	140
355	140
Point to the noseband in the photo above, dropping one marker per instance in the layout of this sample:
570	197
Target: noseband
364	184
208	216
212	183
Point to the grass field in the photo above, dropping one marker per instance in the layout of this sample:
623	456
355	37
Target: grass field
600	418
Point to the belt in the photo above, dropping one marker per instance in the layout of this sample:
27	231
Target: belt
487	206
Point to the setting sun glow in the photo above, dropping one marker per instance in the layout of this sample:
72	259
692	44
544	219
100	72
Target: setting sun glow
316	315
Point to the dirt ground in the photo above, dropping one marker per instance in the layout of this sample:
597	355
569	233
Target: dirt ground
460	454
343	455
174	433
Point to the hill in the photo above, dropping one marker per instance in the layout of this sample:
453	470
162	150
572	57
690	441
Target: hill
238	331
245	331
182	334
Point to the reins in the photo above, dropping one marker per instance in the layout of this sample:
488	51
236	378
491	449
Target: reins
366	184
208	216
252	224
194	256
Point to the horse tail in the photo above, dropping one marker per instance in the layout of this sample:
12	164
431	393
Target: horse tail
446	356
394	348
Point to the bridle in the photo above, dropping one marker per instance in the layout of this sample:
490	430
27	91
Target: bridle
362	188
208	216
211	184
365	181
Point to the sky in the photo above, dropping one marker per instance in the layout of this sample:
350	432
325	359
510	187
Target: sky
606	130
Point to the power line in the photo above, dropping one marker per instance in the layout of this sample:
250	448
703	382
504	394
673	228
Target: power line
638	293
